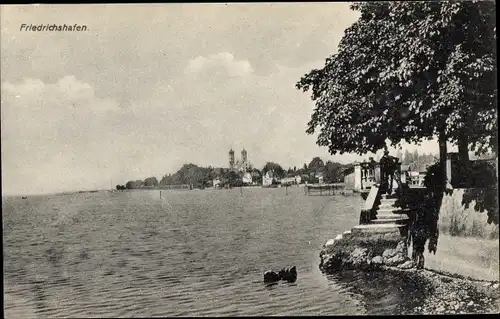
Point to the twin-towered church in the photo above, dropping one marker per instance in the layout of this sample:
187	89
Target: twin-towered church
240	165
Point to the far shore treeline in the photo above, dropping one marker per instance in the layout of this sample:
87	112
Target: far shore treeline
202	177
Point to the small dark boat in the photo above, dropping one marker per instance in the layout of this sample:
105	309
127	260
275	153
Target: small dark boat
25	197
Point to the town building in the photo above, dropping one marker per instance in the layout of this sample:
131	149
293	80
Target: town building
320	176
216	182
270	177
416	174
292	180
247	178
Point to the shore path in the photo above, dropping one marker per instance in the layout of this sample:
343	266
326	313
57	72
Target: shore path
452	294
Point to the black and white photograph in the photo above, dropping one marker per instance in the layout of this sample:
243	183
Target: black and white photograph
249	159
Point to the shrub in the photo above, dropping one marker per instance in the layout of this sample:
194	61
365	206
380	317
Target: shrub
457	220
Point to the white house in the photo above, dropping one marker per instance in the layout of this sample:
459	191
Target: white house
216	182
247	178
298	179
320	178
268	178
291	180
417	174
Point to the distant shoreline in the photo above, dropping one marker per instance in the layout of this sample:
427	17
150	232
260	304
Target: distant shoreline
155	188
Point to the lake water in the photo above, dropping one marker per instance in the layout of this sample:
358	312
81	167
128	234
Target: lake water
198	253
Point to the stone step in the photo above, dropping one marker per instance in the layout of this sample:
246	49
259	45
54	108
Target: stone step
393	210
376	228
387	209
385	196
388	200
387	205
388	221
393	216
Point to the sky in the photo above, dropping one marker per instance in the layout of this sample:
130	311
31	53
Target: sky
148	88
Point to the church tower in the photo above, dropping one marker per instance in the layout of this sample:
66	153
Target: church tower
231	159
243	156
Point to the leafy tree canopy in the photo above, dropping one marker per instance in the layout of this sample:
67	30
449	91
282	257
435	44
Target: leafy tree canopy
270	166
409	71
334	172
150	181
316	164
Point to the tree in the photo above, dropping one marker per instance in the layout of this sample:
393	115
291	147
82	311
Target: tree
232	179
276	168
415	157
212	173
190	174
167	180
150	181
409	71
408	158
333	172
195	175
256	176
134	184
316	164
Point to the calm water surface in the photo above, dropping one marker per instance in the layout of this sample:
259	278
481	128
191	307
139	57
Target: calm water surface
198	253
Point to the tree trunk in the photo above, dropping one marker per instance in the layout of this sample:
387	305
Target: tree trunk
464	165
434	203
463	147
442	158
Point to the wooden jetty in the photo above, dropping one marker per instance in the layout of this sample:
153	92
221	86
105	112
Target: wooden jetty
179	186
325	189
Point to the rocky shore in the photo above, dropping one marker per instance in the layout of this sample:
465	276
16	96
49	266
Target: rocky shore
443	293
452	295
368	253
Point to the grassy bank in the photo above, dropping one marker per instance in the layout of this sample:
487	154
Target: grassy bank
467	245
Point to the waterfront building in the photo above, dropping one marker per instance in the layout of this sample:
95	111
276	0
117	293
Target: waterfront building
291	180
269	177
216	182
298	179
416	174
247	178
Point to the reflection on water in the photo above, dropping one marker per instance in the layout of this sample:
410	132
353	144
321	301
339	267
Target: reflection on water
188	253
